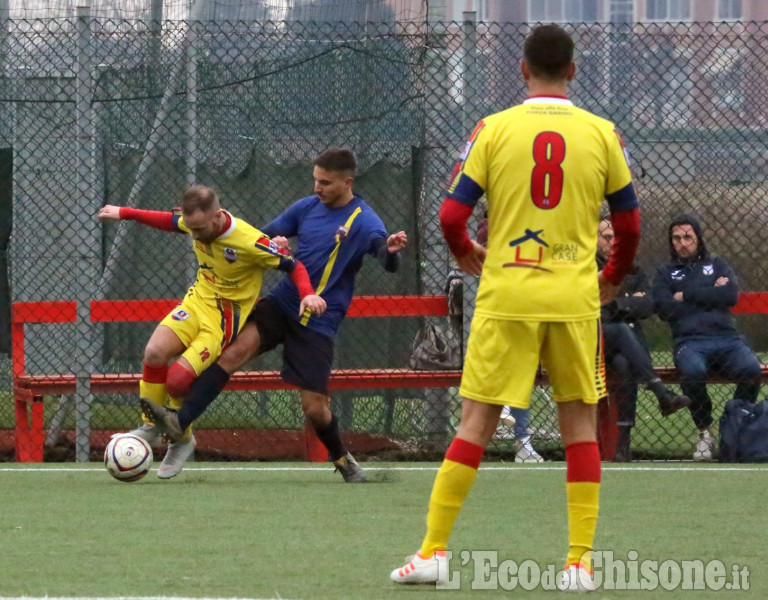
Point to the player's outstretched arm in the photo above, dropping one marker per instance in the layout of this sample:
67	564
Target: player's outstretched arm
396	242
108	212
159	219
387	251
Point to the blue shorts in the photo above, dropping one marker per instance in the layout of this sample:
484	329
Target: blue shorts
307	355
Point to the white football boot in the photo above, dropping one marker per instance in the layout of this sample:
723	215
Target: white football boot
175	458
423	570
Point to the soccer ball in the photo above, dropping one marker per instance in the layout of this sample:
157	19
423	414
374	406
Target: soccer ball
127	457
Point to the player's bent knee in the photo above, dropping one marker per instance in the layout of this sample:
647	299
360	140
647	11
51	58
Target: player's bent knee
234	357
179	380
316	408
318	417
155	356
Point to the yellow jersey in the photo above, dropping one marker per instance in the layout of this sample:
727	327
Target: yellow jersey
545	167
232	266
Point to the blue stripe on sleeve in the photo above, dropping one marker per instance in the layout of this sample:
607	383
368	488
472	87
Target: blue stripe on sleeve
466	191
286	265
175	220
624	199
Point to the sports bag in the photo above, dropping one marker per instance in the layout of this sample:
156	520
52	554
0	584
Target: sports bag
435	349
744	431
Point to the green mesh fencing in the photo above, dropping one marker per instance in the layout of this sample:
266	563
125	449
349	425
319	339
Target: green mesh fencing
96	111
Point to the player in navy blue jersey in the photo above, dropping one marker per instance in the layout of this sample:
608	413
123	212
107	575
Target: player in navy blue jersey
335	229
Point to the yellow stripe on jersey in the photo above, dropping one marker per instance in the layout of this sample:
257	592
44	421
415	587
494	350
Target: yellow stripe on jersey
331	261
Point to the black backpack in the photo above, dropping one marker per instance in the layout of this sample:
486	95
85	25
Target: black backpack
744	431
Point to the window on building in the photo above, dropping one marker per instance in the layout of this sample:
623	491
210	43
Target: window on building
479	6
729	10
562	11
622	11
668	10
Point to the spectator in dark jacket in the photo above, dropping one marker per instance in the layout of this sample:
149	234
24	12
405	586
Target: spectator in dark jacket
627	360
694	293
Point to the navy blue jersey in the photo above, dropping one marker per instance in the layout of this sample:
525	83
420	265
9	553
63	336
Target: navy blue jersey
332	243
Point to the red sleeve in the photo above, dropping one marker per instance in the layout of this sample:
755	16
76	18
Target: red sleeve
454	217
300	277
158	219
626	231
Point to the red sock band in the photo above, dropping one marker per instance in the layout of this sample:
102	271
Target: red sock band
152	374
582	462
179	380
465	453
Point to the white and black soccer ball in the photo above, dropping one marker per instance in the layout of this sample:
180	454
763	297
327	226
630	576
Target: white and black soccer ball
128	457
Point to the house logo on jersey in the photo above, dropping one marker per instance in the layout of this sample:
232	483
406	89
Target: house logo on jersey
179	315
529	251
341	233
708	269
230	255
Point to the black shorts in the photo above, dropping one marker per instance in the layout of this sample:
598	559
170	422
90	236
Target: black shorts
307	355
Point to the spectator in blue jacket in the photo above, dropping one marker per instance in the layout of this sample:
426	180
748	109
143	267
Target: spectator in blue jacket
694	293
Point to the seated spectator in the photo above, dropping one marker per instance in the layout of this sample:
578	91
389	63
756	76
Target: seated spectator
694	293
627	360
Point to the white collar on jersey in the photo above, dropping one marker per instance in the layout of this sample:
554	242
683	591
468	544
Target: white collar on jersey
547	100
230	229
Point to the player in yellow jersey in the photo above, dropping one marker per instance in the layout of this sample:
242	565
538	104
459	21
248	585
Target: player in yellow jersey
232	256
545	167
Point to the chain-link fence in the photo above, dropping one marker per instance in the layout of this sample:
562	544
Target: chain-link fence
96	111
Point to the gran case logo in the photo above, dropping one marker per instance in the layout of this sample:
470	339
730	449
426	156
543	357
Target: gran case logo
529	251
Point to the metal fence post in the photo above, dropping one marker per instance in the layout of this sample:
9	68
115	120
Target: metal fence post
191	99
150	152
89	248
469	70
5	13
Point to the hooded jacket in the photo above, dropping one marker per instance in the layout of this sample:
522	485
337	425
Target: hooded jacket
706	309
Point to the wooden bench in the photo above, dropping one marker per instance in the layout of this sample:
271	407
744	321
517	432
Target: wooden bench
29	389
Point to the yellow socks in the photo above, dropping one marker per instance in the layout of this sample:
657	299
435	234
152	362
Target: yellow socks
152	385
452	484
583	496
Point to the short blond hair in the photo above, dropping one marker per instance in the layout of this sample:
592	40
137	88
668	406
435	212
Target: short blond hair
199	197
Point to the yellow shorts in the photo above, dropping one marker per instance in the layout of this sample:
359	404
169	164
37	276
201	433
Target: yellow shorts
205	329
503	356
